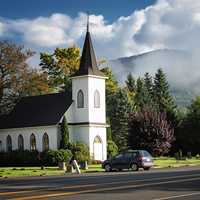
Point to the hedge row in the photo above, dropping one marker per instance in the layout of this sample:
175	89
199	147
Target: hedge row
78	150
34	158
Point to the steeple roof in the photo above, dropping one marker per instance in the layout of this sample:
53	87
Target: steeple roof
88	63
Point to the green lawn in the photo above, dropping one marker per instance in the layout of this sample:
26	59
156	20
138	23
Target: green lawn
160	162
29	171
172	162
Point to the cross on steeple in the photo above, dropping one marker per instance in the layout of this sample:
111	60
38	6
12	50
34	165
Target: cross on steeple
88	63
88	20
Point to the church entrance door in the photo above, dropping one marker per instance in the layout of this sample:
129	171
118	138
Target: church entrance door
98	148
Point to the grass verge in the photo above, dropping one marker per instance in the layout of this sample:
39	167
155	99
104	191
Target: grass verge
161	162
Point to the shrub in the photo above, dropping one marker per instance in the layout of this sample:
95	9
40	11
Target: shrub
19	158
34	158
52	157
112	148
80	152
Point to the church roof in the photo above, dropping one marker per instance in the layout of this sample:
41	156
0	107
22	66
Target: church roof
40	110
88	63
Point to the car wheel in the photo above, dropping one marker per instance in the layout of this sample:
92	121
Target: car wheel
108	168
146	168
134	167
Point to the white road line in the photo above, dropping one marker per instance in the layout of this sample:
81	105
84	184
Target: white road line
178	196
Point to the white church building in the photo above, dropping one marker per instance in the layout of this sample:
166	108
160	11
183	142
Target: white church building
34	124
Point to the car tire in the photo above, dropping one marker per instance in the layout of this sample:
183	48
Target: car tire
134	167
146	168
108	168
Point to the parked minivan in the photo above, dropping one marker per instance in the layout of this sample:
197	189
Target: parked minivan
130	159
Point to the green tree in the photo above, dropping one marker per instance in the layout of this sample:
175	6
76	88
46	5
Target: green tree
148	83
64	143
130	83
119	118
112	148
162	96
142	96
60	65
111	89
187	134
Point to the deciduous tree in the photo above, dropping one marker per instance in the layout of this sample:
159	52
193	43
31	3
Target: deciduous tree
150	130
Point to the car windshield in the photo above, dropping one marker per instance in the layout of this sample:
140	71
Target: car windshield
146	154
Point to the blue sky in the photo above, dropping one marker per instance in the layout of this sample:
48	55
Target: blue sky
111	9
118	27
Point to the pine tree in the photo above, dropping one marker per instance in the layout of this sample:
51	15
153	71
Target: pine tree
64	143
148	83
142	97
130	83
119	118
162	96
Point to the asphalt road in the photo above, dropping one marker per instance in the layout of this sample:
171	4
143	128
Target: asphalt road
180	183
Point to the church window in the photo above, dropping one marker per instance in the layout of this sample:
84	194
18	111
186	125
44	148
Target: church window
45	142
20	143
32	142
80	99
9	143
96	99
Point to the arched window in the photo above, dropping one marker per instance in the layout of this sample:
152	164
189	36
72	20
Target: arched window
96	99
45	142
20	143
80	99
32	142
9	143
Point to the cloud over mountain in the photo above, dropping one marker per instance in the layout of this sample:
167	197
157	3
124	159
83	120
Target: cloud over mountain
168	24
172	24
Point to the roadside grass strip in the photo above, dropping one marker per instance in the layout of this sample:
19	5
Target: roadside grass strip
107	187
160	162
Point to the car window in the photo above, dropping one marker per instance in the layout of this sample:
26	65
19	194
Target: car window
134	154
119	156
145	154
128	155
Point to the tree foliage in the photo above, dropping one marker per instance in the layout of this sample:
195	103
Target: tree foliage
80	151
150	130
112	148
64	143
119	118
60	65
16	77
188	135
130	83
162	96
142	96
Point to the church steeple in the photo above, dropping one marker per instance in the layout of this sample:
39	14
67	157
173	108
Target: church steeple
88	63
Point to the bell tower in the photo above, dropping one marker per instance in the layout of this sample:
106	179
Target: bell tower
88	94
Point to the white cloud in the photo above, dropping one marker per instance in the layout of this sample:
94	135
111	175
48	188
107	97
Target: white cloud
173	24
1	29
